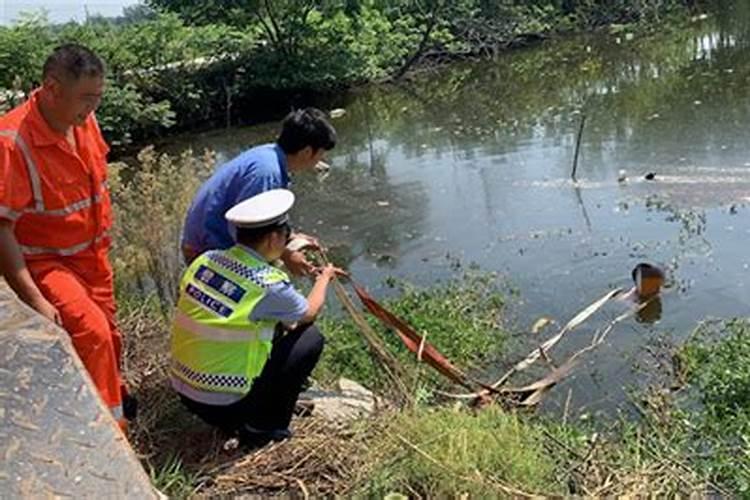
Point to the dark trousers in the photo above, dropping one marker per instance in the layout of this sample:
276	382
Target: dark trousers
270	403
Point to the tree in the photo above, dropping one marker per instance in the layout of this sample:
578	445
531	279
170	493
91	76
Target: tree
138	13
203	12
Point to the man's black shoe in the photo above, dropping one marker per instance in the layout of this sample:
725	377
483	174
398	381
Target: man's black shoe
257	438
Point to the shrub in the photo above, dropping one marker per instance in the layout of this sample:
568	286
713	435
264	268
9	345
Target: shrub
151	200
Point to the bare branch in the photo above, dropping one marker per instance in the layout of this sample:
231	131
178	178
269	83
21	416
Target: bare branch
423	43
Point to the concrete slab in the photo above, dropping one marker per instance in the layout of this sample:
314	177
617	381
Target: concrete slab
57	439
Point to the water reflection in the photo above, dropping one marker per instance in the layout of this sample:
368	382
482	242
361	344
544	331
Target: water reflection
651	312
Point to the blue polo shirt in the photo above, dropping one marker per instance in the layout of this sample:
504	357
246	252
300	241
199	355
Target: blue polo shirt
255	171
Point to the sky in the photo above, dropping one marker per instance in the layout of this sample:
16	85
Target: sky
61	10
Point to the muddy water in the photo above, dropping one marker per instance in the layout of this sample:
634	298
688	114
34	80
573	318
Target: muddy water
472	164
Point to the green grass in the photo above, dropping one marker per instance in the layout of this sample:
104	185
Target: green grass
460	317
445	452
716	364
171	478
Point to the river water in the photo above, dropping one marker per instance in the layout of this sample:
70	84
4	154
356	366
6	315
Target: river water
471	164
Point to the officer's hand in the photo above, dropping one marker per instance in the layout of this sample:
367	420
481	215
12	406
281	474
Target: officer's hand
329	272
297	264
43	307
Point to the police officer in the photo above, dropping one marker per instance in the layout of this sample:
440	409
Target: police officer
243	343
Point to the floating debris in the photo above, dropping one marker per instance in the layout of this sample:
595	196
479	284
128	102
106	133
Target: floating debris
622	176
322	170
322	166
650	176
540	324
337	113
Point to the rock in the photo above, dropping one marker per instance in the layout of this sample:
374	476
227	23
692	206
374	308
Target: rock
351	402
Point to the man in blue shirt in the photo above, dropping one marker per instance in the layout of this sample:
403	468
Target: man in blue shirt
306	135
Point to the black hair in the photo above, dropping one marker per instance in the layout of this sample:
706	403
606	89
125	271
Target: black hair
72	61
251	236
647	271
306	127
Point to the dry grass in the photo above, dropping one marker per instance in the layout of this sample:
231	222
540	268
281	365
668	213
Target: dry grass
321	460
187	458
650	456
633	468
151	199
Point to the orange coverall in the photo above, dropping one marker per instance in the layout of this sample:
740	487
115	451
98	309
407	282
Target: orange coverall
58	200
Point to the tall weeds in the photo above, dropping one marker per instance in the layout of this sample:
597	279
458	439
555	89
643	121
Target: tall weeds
150	200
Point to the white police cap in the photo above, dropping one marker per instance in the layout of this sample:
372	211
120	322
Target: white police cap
265	209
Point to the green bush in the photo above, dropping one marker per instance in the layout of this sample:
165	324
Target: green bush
23	49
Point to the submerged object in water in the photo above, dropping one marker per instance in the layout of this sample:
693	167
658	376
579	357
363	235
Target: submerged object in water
648	280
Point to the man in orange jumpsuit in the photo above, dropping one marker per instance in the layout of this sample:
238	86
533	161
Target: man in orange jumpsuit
55	213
